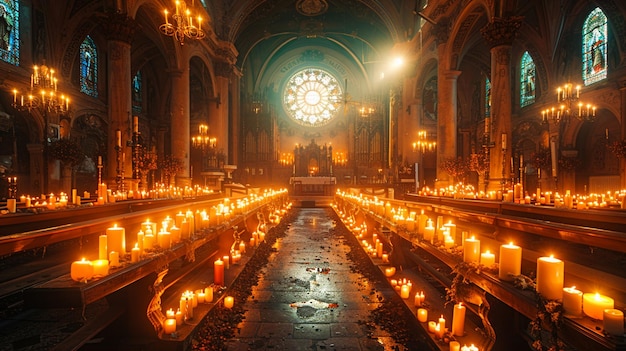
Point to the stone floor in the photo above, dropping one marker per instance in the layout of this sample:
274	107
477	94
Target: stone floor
308	298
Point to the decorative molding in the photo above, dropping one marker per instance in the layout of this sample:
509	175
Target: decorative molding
501	31
312	7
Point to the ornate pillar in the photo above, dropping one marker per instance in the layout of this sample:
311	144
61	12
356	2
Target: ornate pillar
219	111
179	124
499	34
119	28
446	122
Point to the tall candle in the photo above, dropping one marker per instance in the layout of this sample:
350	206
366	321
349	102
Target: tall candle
613	322
116	239
510	261
441	327
550	277
12	205
134	254
573	301
471	250
103	253
595	304
208	294
458	320
114	259
429	231
218	272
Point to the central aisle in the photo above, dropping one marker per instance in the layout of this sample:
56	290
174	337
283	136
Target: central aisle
308	297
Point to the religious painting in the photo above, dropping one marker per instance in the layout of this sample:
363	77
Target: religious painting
89	67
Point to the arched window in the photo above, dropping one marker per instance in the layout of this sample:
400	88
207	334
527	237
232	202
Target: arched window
595	34
137	89
89	67
9	31
527	80
487	97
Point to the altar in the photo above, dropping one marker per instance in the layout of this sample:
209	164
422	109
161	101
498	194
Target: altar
315	186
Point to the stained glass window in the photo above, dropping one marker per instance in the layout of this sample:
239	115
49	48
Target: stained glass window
527	80
137	93
9	31
89	67
312	97
595	34
487	97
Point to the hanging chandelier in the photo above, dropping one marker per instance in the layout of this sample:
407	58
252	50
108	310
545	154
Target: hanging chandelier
569	106
183	25
203	141
42	94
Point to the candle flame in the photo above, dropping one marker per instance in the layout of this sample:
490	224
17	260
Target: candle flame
511	243
551	256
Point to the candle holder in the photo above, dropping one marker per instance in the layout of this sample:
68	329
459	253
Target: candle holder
100	166
119	178
12	189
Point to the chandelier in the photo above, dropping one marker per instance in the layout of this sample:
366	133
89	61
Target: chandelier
183	25
423	143
42	94
569	106
203	141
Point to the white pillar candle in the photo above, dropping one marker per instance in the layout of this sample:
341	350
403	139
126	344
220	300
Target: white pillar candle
442	326
165	240
201	296
100	268
458	319
134	254
471	250
550	277
419	299
179	317
169	326
429	231
103	252
114	259
422	315
116	239
510	261
175	234
405	291
432	325
208	294
613	321
242	247
229	302
12	205
573	301
218	272
487	259
595	304
81	271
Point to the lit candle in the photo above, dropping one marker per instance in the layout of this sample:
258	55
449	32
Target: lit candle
100	268
226	260
229	302
390	271
118	138
419	299
573	301
218	272
81	271
405	291
12	205
458	320
135	253
550	277
442	326
179	317
422	315
595	304
169	326
385	258
429	231
613	322
432	326
201	296
510	261
471	250
116	239
242	247
487	259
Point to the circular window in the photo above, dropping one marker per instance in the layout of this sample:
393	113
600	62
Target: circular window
312	97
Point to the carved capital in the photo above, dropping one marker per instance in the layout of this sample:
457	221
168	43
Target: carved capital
501	31
118	26
223	69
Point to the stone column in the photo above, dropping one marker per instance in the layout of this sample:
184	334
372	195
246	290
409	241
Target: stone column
622	134
219	111
180	121
499	34
119	28
446	122
35	152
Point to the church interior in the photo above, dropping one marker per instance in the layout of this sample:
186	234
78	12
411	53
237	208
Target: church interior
470	151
